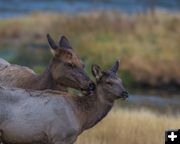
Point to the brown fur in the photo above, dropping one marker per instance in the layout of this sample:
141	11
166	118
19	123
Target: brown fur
65	70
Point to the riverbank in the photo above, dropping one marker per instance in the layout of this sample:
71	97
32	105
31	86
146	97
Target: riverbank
146	43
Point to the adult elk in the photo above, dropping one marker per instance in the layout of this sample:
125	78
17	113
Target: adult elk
54	118
65	70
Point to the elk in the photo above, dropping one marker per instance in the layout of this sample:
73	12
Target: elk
52	117
65	70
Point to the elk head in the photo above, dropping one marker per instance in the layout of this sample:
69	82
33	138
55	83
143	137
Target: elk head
66	67
109	85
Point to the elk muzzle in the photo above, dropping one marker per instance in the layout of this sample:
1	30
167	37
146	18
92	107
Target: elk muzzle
91	87
125	94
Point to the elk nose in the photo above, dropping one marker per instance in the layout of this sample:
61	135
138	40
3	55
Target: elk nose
91	87
125	94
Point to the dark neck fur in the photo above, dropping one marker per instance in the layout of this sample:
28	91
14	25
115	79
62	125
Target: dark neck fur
91	109
45	81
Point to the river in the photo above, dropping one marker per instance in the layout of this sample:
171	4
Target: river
164	102
10	8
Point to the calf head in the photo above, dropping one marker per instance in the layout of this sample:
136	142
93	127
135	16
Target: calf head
109	85
66	67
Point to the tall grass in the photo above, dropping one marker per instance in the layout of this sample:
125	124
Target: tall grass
148	45
130	127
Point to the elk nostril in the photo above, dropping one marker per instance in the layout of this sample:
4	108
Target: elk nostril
125	94
91	86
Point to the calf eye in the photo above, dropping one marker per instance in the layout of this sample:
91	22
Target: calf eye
109	83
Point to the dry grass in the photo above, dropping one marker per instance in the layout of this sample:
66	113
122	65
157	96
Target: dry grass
130	127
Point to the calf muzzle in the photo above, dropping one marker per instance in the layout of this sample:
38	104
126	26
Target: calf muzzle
125	94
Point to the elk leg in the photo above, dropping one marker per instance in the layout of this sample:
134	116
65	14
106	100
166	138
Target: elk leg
1	137
69	140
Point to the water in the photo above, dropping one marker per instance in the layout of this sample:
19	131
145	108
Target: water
155	100
10	8
161	102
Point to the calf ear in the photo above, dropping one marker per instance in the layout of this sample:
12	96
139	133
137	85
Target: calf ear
115	67
96	71
64	43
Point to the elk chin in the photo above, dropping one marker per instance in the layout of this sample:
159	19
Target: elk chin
123	98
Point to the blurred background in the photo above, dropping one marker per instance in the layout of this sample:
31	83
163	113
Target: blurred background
143	34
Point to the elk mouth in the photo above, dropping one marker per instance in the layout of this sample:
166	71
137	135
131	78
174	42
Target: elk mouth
91	87
86	92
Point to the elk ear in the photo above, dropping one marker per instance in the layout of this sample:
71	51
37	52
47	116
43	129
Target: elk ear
64	43
51	42
115	67
96	71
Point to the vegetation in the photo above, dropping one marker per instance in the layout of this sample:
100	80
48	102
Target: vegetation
147	44
130	127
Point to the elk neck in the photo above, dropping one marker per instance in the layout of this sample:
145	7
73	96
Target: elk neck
91	109
45	81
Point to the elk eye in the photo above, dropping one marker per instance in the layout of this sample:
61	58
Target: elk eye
83	66
70	65
109	83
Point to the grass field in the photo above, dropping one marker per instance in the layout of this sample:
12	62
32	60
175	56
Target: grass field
130	127
148	45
